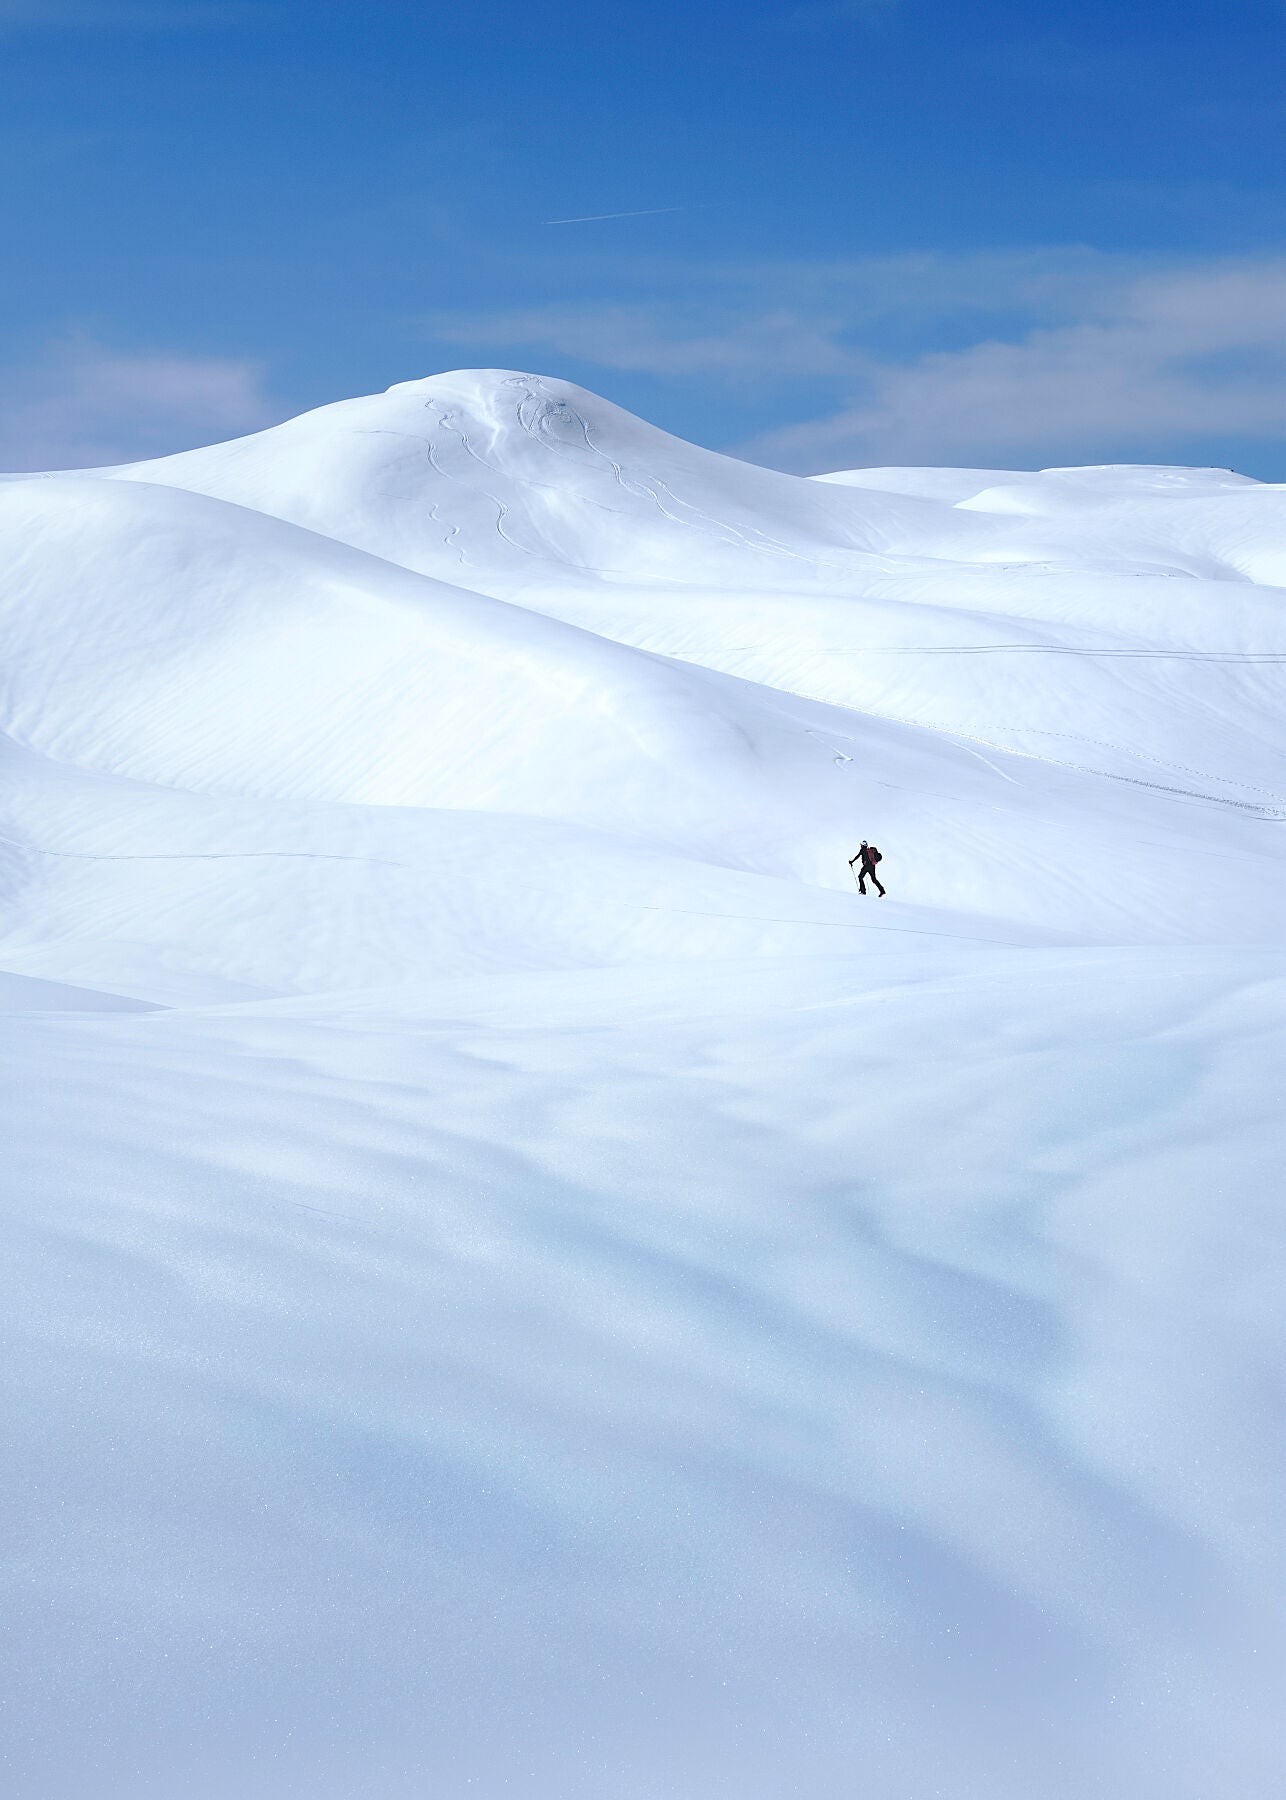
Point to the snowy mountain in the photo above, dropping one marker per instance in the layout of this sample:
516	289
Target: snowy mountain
525	1282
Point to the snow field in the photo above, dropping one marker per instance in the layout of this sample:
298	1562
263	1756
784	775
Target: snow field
522	1281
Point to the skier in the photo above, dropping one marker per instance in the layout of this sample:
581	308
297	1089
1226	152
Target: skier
868	856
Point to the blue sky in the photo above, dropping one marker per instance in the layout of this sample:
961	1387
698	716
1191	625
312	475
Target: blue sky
867	230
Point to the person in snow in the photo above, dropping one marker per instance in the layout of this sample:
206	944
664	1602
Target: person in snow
868	856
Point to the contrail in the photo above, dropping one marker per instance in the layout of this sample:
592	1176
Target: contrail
648	212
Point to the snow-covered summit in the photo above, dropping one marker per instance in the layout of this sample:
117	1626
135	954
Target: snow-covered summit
512	475
494	597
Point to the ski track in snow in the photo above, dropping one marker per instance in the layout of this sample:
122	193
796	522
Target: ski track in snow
521	1280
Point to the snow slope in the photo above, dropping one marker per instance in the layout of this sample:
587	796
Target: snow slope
523	1281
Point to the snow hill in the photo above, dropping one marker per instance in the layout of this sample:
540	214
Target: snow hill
524	1282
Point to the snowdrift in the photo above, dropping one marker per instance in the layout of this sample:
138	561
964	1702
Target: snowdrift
525	1281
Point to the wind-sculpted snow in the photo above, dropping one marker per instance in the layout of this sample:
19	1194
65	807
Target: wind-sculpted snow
522	1281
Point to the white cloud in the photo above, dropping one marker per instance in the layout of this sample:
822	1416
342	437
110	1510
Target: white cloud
778	322
657	339
1168	358
80	405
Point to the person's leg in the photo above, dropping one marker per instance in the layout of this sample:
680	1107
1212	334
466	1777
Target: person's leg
879	884
861	882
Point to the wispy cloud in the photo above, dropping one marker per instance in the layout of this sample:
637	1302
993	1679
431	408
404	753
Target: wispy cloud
1173	358
774	322
656	339
82	405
